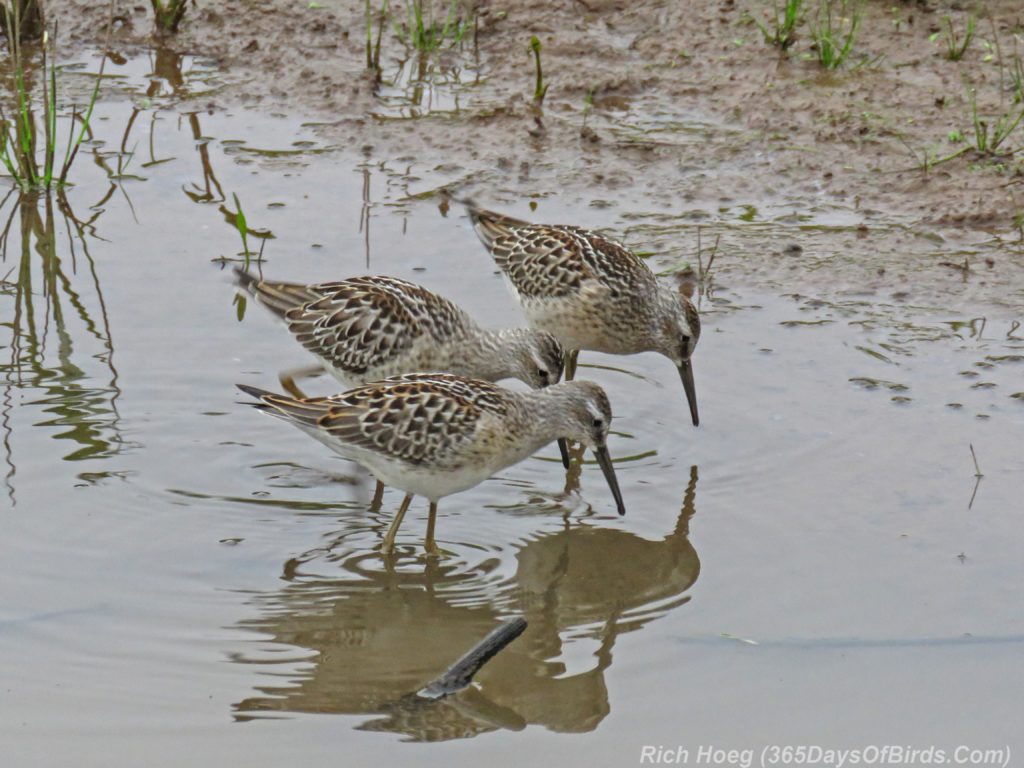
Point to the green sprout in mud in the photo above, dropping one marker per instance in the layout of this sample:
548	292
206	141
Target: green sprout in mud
989	136
588	106
240	222
835	30
927	158
540	88
781	27
956	46
23	133
242	227
168	14
372	48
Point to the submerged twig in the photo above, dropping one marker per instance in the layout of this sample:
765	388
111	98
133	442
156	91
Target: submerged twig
977	469
460	674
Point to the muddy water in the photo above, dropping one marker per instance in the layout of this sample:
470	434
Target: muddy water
186	581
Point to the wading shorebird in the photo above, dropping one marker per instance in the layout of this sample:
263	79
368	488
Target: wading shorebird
591	293
369	328
435	434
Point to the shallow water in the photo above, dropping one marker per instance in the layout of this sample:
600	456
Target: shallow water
188	581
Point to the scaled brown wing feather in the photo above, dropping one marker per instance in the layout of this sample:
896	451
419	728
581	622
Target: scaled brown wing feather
412	418
610	262
352	328
549	261
362	322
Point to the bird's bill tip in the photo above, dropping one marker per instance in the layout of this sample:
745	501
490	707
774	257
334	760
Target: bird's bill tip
686	374
605	462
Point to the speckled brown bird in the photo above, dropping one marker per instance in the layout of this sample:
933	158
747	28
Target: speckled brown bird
434	434
591	292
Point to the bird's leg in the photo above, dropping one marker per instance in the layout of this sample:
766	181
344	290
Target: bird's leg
572	475
378	497
431	545
570	364
389	538
288	377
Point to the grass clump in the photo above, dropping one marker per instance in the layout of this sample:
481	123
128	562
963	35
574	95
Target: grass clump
426	33
989	136
29	14
956	46
1017	79
780	30
28	140
834	30
168	14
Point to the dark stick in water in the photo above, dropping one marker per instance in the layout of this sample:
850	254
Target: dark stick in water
460	674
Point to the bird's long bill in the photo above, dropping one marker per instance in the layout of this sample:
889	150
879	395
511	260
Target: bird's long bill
686	374
563	448
605	462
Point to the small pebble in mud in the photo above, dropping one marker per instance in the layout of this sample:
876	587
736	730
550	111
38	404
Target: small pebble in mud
983	385
954	405
1018	396
901	400
251	46
793	249
231	542
982	416
970	374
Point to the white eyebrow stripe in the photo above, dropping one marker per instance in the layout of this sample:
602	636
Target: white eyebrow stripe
594	411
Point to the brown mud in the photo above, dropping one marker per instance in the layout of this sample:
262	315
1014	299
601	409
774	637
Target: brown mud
780	124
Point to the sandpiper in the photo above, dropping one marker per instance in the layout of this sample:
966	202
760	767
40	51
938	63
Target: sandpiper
591	293
435	434
365	329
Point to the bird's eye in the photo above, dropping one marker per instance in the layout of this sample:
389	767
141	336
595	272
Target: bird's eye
598	423
542	373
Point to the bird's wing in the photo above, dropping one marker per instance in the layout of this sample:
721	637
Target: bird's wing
365	321
414	418
543	261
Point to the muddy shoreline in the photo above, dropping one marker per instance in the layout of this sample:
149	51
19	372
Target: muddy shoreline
849	136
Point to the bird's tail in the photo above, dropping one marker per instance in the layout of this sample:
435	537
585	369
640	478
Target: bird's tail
301	413
491	226
279	298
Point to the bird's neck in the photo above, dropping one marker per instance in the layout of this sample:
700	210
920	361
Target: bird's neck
551	412
483	353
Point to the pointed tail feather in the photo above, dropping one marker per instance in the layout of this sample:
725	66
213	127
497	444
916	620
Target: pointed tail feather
279	298
489	225
302	413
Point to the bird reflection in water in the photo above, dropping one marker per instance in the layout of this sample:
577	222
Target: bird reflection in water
378	635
